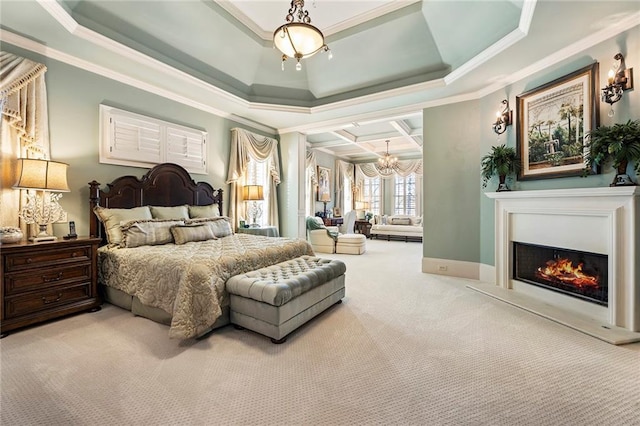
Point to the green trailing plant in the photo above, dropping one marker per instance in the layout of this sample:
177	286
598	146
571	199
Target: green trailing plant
501	161
619	144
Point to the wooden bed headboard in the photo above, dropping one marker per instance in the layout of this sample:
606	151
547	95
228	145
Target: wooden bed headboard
164	185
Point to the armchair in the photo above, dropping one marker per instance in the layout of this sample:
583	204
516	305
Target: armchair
322	239
325	240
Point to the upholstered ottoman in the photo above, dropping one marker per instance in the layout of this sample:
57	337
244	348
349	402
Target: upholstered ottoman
351	244
276	300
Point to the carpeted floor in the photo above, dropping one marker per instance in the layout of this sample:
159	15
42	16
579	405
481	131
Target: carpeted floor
404	348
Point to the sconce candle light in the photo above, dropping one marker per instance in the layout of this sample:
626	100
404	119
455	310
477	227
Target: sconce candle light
618	81
46	176
503	118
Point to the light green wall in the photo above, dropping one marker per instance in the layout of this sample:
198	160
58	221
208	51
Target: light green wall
459	218
73	99
291	190
451	170
626	109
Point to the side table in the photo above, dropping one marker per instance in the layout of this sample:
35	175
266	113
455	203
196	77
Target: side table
267	231
362	227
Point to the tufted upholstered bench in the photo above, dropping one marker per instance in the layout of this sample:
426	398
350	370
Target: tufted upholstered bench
278	299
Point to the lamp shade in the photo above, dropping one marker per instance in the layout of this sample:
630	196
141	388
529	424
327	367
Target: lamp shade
252	193
44	175
298	38
325	197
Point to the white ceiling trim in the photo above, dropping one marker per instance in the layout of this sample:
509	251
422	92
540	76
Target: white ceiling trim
353	141
63	18
598	37
526	15
32	46
333	29
405	131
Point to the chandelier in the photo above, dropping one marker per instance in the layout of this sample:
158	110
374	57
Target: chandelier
387	164
299	39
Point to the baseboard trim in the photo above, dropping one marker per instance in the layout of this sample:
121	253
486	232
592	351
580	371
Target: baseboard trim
451	268
487	273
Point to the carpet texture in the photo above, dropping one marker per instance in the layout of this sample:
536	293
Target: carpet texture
404	348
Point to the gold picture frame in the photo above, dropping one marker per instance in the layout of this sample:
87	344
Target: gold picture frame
553	121
324	184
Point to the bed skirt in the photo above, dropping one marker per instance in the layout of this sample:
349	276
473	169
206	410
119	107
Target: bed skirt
132	303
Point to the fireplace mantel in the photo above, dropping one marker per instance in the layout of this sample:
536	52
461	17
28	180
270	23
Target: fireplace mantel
602	220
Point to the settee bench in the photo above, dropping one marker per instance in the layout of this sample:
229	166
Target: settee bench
276	300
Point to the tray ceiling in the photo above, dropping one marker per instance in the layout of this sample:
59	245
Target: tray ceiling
390	58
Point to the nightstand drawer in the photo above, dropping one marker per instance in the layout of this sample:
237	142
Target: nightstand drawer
34	280
38	258
42	300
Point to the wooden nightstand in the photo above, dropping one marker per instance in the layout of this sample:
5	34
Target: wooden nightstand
362	227
42	281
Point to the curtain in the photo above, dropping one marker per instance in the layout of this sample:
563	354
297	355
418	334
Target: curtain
24	125
405	168
311	168
247	146
343	170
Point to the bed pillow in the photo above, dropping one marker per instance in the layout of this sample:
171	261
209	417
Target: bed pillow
152	232
112	218
183	234
175	212
400	221
221	226
198	212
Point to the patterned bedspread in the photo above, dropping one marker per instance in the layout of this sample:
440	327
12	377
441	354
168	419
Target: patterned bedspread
188	281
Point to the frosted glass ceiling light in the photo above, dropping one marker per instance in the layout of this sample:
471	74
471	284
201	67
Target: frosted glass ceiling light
299	39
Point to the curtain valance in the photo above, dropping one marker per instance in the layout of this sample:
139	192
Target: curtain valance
23	103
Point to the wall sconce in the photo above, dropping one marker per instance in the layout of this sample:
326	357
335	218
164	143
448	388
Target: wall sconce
618	81
253	193
503	118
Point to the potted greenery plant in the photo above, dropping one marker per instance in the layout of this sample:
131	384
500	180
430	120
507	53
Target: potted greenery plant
619	144
502	161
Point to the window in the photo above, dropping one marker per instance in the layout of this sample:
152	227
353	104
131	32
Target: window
371	194
257	175
405	195
348	195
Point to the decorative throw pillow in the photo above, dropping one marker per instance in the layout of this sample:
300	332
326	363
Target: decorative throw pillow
400	221
221	225
152	232
112	218
196	212
175	212
183	234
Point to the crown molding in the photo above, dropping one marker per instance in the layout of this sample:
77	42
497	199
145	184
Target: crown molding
267	35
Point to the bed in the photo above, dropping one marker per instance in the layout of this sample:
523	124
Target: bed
181	285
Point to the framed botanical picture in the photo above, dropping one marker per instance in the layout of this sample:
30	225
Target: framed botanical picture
553	120
324	184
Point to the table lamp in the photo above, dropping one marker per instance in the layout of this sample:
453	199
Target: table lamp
253	193
45	177
325	198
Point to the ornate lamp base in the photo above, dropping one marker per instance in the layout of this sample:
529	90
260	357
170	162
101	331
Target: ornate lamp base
43	236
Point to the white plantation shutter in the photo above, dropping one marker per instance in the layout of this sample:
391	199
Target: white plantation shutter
186	147
135	140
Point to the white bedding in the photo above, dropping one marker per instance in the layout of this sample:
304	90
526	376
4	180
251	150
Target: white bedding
188	281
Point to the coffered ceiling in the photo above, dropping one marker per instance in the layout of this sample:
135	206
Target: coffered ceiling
390	60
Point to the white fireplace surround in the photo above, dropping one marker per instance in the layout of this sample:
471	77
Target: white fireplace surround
599	220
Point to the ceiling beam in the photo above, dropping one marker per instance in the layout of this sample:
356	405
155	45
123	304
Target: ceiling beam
348	137
405	131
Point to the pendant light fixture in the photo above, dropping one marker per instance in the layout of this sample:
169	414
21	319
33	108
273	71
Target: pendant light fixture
299	39
387	164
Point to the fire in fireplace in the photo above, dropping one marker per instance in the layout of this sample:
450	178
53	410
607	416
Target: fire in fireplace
576	273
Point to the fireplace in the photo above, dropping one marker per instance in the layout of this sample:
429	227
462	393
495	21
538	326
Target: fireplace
596	228
575	273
